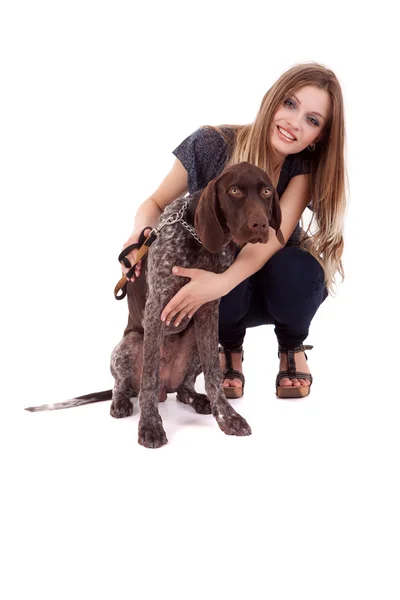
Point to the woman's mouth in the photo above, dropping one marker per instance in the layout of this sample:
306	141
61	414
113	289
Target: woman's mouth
285	135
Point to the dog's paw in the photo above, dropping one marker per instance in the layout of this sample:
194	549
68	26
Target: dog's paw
121	408
199	402
151	435
231	423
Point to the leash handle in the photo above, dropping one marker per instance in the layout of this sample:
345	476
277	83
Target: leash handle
122	283
143	244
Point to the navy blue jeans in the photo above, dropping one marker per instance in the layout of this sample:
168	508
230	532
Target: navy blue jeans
286	292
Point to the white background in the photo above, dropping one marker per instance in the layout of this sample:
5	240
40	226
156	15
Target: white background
94	98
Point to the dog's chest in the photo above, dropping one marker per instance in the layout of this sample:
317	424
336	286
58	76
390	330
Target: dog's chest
176	246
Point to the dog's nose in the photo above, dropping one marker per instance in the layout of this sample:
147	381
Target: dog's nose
257	223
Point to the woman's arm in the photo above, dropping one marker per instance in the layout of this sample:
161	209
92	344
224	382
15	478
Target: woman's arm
173	186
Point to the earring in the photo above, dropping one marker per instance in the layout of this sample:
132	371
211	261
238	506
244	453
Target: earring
311	147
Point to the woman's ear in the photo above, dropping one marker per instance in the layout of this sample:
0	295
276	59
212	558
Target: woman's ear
206	220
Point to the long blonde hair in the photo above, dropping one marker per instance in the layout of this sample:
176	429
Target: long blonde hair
328	176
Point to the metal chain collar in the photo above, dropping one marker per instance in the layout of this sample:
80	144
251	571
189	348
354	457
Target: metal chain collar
178	217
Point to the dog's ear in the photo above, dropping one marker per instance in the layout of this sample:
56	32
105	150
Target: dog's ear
207	218
276	218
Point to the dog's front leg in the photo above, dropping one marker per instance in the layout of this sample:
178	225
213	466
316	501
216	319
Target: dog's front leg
151	431
206	327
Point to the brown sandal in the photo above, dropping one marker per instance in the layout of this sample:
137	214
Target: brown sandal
291	373
229	373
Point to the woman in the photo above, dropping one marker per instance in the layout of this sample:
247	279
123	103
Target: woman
298	138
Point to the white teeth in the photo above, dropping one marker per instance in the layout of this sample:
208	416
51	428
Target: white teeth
286	134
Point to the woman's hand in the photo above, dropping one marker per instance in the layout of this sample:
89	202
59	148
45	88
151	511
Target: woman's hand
203	287
134	238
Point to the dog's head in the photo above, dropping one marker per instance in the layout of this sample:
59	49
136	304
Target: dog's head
240	204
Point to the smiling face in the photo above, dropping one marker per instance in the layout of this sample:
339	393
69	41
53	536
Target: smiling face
300	120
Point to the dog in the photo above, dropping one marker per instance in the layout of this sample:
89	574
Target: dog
153	358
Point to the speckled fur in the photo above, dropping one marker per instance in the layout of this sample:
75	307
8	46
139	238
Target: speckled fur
176	366
153	358
161	259
193	345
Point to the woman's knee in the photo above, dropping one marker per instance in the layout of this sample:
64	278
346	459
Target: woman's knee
292	268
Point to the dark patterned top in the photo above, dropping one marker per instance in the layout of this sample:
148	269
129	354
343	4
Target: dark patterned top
205	152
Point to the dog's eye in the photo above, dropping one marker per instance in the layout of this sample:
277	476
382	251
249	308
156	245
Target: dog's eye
266	192
234	191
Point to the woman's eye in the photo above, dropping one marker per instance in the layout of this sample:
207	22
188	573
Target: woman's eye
234	191
292	104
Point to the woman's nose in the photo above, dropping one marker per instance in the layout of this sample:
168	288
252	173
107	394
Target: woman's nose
294	125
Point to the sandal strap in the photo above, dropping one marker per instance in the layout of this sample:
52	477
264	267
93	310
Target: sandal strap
228	357
300	348
297	375
291	352
233	374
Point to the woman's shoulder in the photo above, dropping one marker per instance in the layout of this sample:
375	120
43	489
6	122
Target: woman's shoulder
203	154
211	136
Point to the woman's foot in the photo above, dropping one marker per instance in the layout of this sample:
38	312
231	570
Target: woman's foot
301	365
236	365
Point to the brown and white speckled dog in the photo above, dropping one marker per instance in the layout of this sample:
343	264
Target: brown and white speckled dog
237	207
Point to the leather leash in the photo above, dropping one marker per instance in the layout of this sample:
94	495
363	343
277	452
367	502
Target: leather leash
143	245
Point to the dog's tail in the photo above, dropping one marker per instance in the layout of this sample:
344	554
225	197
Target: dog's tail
79	401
